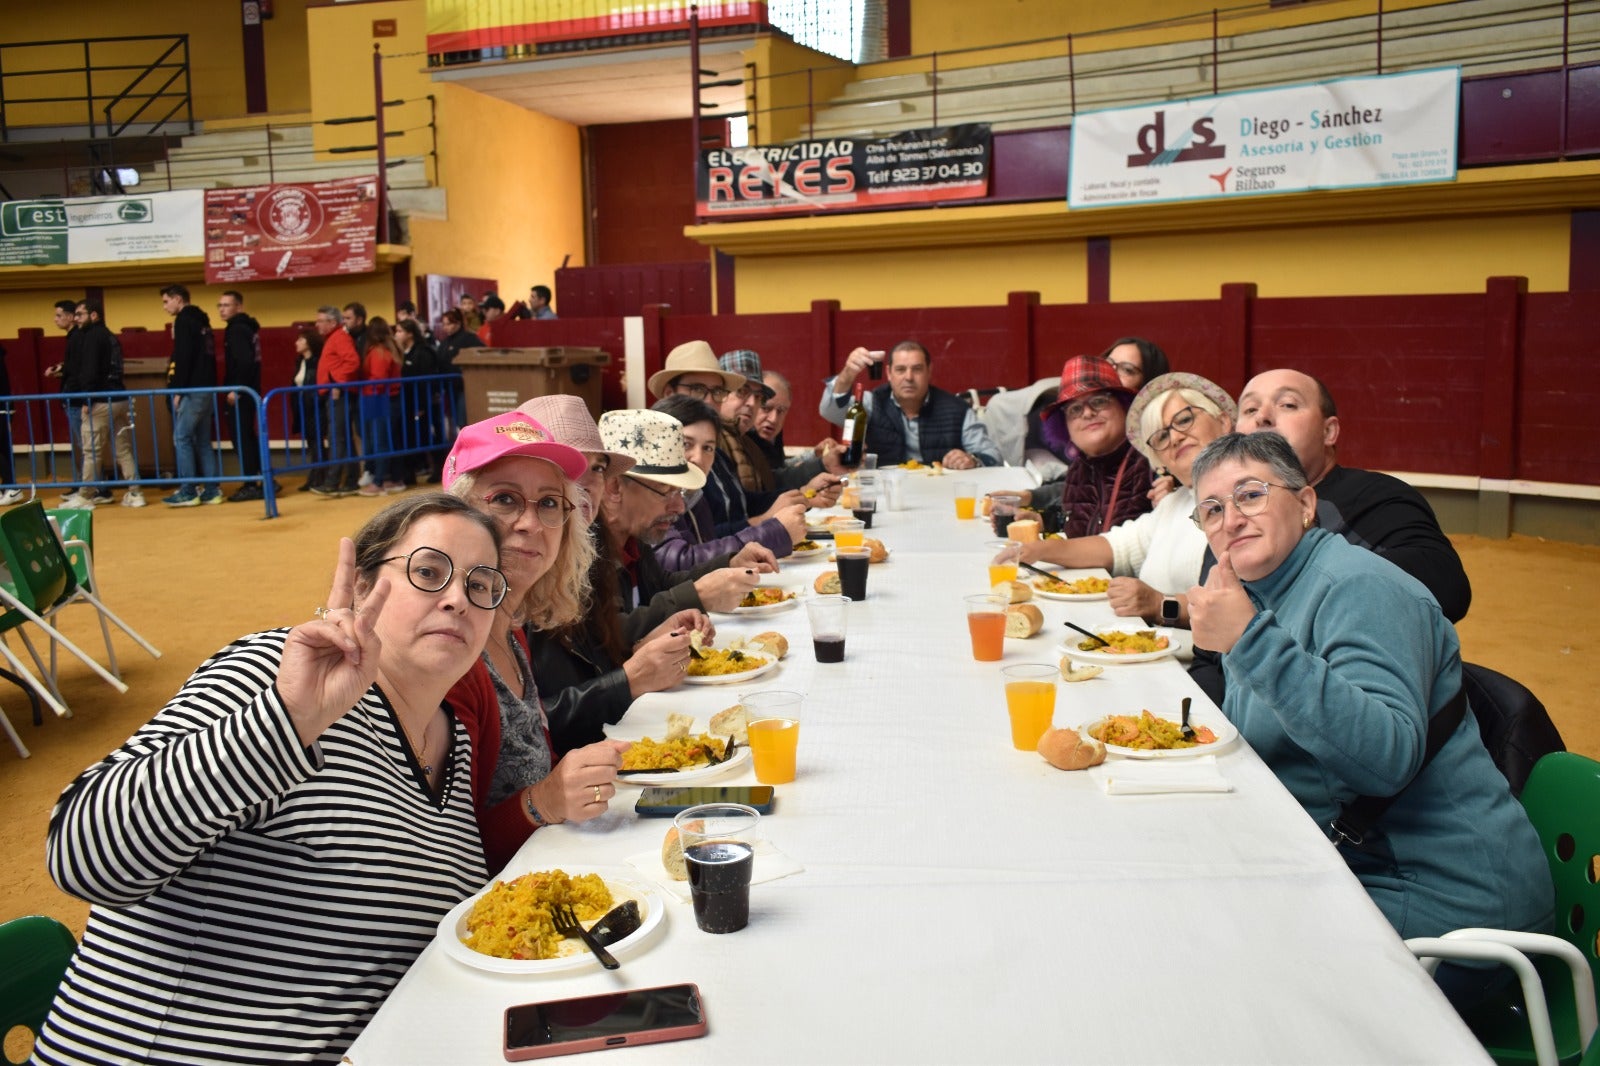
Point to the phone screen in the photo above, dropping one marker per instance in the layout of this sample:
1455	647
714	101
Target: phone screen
608	1018
668	800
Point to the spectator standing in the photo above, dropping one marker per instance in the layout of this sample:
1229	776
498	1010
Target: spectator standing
241	367
470	315
456	336
107	424
493	309
381	367
407	312
193	366
308	420
420	420
8	473
354	318
71	372
340	367
539	302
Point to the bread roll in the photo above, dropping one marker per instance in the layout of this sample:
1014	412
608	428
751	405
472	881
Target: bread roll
731	722
827	583
1065	750
772	641
672	856
850	497
1015	591
875	546
1023	620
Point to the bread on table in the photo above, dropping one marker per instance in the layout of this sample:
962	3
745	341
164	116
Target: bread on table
1015	591
1066	750
1071	671
875	546
672	856
731	722
827	583
1023	620
773	641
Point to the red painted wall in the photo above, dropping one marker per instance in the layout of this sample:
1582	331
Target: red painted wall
641	187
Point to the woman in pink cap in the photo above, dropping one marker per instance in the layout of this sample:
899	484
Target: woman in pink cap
513	469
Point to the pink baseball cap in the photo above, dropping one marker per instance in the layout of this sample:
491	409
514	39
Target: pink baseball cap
512	433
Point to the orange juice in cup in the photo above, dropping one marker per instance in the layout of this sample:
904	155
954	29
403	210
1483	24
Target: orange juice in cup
1030	701
966	499
774	729
986	624
849	534
1003	561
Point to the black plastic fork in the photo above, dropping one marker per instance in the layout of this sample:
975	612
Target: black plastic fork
567	924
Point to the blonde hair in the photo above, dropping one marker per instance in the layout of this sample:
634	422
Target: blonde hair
560	597
1151	418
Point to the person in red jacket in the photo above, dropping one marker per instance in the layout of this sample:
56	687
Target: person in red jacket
339	366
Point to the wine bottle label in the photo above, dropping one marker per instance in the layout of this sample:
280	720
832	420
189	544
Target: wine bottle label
849	429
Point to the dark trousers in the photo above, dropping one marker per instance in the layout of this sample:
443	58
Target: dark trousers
246	443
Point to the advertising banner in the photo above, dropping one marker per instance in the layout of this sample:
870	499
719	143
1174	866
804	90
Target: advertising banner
1395	129
915	167
270	232
100	229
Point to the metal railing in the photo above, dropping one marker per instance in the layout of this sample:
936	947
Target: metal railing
97	61
299	430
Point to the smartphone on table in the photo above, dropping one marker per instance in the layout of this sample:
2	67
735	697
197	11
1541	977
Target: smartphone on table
665	801
594	1023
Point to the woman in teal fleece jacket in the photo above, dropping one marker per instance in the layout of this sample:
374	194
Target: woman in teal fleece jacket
1335	660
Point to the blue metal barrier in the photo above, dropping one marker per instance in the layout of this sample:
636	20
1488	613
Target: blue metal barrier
422	421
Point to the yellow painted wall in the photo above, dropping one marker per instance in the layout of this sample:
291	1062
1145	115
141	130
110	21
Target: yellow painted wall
215	53
781	87
340	58
916	277
515	189
1349	259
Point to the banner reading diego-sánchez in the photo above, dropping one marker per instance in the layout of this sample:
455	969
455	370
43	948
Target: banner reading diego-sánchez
915	167
270	232
1393	129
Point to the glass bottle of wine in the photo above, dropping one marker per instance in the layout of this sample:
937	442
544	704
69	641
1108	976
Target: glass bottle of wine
855	430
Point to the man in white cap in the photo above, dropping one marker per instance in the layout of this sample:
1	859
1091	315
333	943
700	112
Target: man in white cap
640	507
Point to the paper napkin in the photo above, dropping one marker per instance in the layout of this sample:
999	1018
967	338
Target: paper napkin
1149	777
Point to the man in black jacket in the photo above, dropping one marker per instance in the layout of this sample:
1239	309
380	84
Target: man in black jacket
107	425
193	366
241	367
71	372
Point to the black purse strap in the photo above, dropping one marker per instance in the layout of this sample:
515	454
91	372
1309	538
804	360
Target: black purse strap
1356	818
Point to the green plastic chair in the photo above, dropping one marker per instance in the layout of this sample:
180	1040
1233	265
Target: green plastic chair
76	528
34	953
1562	798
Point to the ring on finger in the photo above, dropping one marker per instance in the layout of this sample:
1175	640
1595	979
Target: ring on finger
322	612
597	798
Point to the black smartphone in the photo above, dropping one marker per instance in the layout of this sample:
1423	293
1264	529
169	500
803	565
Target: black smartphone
593	1023
664	801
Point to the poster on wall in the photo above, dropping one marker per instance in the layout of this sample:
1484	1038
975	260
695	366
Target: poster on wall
272	232
1393	129
100	229
914	167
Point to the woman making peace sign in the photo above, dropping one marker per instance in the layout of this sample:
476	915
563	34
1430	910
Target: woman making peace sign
268	855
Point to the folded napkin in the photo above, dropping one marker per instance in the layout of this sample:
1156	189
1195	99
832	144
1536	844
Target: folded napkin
770	864
1149	777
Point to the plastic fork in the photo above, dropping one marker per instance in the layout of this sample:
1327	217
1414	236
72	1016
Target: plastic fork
567	924
1184	727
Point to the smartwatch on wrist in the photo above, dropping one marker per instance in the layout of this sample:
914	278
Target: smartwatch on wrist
1169	610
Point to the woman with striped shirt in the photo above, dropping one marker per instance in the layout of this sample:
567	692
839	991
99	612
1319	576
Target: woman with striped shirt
270	853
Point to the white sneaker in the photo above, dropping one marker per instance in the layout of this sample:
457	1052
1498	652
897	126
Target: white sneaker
11	496
78	503
133	498
365	479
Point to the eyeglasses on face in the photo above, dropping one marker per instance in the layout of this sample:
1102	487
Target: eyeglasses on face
430	570
1181	423
1089	404
667	492
1249	497
1125	368
508	505
714	393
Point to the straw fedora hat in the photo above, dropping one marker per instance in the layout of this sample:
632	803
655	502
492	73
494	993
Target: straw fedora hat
691	357
655	443
568	419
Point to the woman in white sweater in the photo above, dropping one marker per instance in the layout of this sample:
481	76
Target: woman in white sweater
1156	557
269	854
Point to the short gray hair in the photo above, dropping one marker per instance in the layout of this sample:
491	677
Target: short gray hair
1268	448
329	310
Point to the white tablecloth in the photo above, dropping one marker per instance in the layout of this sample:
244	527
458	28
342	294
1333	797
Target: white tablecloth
963	901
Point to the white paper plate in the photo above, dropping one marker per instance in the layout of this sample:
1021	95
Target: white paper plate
1068	597
1225	730
1070	646
733	679
740	759
766	608
809	553
453	926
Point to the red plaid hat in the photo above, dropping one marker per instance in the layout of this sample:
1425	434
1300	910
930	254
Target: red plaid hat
1084	374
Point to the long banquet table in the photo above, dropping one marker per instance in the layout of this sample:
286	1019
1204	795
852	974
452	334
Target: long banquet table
962	901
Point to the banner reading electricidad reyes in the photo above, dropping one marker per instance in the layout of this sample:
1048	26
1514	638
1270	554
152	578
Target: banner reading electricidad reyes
918	166
1394	129
272	232
101	229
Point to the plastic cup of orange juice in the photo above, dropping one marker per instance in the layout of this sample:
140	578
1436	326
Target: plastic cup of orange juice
986	623
849	534
1031	702
773	722
966	499
1003	555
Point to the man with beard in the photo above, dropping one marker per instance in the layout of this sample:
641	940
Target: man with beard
241	367
193	365
909	418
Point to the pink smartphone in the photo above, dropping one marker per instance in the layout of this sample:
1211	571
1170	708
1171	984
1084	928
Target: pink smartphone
594	1023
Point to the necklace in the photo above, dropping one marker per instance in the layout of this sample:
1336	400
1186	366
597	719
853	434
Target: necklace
422	752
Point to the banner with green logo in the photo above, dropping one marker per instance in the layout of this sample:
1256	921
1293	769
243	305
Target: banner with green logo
102	229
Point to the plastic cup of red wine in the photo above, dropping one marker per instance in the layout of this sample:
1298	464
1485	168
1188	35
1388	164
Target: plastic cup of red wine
719	841
827	617
853	566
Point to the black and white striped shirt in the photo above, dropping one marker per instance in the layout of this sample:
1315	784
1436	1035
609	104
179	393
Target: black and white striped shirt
254	900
